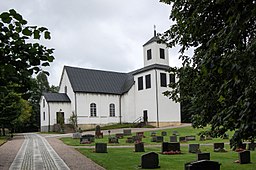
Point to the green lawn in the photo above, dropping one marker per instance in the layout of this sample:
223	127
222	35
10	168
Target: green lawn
126	158
2	140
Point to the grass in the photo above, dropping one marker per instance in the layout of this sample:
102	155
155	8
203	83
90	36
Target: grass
184	131
126	158
3	139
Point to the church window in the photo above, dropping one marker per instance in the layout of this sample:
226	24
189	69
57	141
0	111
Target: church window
140	83
149	55
162	53
44	116
148	81
66	89
172	78
163	80
43	102
112	110
93	110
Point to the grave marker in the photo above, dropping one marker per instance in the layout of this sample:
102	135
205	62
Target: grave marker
202	165
113	140
218	147
244	157
101	148
182	139
77	135
150	161
139	147
129	140
190	138
87	139
152	134
163	133
173	139
203	156
194	148
119	135
127	132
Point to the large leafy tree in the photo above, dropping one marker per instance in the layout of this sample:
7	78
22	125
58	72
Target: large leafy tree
219	80
21	57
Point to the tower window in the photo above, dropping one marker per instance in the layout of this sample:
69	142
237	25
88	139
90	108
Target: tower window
112	110
66	89
172	78
149	55
148	81
163	80
93	110
162	53
44	116
140	83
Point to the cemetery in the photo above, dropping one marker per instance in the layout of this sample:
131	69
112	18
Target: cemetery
166	147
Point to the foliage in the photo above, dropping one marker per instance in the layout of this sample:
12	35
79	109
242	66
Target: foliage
219	80
73	121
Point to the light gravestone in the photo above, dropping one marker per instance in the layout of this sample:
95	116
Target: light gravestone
244	157
127	132
194	148
150	161
139	147
202	165
101	148
173	139
203	156
77	135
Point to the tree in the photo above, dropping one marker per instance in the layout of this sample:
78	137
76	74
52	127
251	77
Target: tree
221	81
21	57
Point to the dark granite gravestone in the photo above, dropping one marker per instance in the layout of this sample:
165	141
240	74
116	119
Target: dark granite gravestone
202	138
251	146
87	139
166	147
159	138
113	140
244	157
98	133
218	147
182	139
129	140
176	133
119	135
194	148
127	132
190	138
137	139
139	147
203	156
101	148
153	139
152	133
173	139
150	161
202	165
77	135
163	133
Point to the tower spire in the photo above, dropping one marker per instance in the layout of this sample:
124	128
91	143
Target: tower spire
154	30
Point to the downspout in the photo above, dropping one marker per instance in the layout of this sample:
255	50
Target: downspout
76	107
120	109
157	114
49	118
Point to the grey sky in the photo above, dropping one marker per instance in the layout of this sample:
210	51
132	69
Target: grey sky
98	34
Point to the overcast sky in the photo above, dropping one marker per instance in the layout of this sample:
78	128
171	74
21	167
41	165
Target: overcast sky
97	34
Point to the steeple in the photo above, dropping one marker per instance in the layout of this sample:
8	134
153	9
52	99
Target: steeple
155	52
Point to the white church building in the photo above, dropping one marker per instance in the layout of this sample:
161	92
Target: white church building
103	97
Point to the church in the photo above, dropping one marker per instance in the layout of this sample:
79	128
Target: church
100	97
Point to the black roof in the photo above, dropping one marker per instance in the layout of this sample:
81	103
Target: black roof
56	97
106	82
153	39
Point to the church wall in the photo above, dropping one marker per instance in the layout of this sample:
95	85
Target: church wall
102	102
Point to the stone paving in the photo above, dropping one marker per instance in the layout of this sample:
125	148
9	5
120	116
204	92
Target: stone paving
36	153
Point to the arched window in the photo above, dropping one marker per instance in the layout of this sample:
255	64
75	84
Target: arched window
112	110
93	110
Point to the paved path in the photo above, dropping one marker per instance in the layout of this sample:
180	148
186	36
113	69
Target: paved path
36	153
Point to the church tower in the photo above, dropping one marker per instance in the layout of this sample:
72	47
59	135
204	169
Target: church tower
154	52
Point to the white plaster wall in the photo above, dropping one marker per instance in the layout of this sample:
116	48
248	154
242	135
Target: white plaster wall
65	82
42	110
155	52
102	102
57	107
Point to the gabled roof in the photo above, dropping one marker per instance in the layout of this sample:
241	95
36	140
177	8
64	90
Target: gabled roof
153	39
56	97
97	81
151	67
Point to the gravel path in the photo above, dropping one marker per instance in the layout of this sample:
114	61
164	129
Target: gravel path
9	150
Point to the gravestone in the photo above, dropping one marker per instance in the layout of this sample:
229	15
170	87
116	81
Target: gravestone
203	156
113	140
139	147
98	133
137	139
202	138
153	139
173	139
87	139
167	147
202	165
182	139
127	132
176	133
152	133
140	134
101	148
119	135
194	148
251	146
159	138
129	140
242	146
218	147
150	161
77	135
190	138
163	133
244	157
